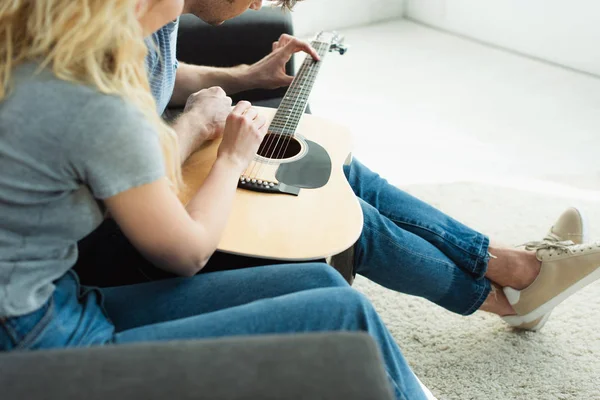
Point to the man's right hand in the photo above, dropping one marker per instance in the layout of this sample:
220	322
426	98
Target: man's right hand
203	119
209	109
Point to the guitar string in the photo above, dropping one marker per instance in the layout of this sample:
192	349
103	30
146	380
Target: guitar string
305	93
295	115
251	175
290	109
313	75
254	175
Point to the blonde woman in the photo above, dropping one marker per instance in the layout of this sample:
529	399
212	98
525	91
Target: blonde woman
79	135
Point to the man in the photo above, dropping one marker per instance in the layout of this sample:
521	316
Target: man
406	245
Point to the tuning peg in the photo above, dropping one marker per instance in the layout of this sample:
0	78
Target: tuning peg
337	43
340	48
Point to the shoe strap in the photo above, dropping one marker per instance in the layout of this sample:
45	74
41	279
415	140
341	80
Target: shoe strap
552	237
565	245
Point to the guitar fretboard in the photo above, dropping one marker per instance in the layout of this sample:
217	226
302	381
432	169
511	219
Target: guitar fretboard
294	103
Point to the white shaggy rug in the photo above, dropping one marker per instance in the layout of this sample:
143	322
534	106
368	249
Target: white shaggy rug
479	357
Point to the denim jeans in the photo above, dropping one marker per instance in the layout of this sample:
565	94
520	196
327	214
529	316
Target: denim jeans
281	299
411	247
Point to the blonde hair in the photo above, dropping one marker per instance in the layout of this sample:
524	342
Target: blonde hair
91	42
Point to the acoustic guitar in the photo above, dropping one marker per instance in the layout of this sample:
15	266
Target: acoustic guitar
293	202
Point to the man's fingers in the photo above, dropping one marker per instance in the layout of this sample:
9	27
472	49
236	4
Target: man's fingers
296	45
286	80
215	90
285	39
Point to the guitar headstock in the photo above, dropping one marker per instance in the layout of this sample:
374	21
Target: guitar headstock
334	40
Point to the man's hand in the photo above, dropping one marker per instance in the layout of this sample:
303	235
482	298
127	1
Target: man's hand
209	108
203	119
269	73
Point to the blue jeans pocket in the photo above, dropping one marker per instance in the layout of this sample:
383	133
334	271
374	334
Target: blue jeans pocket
18	333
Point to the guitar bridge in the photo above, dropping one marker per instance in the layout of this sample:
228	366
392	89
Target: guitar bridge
258	185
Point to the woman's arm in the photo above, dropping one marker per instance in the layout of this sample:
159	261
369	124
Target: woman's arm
179	239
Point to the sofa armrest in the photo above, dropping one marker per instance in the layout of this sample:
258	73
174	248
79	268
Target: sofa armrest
316	366
242	40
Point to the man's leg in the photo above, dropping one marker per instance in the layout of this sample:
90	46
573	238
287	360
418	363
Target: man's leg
533	271
468	249
405	262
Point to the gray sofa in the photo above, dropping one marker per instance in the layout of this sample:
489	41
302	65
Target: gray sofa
242	40
317	366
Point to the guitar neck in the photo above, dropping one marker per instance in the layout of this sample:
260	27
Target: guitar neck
295	101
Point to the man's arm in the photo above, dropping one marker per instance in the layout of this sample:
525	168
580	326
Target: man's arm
193	78
268	73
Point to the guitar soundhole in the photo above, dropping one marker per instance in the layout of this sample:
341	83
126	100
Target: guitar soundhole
279	147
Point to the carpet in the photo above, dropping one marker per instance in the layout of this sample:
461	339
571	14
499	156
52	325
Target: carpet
480	357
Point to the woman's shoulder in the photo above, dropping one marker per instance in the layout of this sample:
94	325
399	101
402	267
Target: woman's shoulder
43	92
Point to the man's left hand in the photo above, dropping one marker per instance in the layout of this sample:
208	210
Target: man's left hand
269	73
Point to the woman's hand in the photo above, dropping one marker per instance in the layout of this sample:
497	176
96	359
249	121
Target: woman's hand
244	131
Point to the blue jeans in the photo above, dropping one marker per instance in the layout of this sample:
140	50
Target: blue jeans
281	299
410	247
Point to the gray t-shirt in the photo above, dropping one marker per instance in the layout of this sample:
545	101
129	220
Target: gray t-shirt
62	147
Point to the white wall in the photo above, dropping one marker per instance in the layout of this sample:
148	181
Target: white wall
312	16
565	32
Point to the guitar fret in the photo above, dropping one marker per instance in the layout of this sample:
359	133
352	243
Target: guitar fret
287	117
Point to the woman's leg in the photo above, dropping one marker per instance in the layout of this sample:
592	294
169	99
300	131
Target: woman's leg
73	317
314	310
152	302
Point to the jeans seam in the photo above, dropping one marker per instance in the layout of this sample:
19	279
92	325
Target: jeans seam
83	292
480	257
394	243
12	334
396	387
34	333
477	302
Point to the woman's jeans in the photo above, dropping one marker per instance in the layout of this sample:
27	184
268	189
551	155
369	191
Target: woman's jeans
410	247
281	299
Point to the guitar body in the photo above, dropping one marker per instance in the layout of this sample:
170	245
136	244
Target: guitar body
293	202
